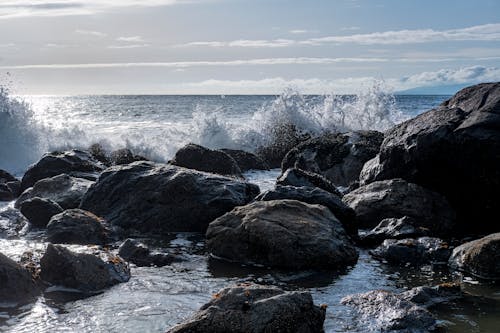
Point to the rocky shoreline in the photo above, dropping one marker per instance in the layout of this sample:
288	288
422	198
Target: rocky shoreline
424	192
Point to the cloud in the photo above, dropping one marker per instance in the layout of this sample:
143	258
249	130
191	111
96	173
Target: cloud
302	31
130	39
244	43
472	74
128	46
91	33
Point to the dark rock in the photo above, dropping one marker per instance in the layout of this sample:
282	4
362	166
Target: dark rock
9	186
315	195
38	211
5	193
158	198
200	158
124	156
480	258
419	251
339	157
99	154
85	272
297	177
14	187
453	150
12	223
63	189
256	309
16	283
396	198
74	163
393	228
141	255
76	226
6	177
246	161
281	233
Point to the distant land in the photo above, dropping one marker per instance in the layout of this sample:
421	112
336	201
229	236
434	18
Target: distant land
435	90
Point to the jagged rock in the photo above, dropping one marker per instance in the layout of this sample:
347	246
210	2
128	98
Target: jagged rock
16	283
141	255
124	156
256	309
393	228
297	177
85	272
158	198
38	211
99	154
246	161
281	233
480	258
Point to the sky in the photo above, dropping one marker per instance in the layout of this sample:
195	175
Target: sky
246	47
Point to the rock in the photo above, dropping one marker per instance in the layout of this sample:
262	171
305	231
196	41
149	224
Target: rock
339	157
124	156
245	160
393	228
256	309
9	186
38	211
200	158
12	223
63	189
297	177
315	195
424	250
99	154
480	258
157	198
16	283
141	255
75	163
14	187
281	233
6	177
453	150
85	272
5	193
76	226
396	198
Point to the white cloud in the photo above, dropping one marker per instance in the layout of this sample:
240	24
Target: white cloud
302	31
130	39
472	74
353	28
90	33
128	46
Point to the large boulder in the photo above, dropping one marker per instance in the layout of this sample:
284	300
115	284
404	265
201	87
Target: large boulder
246	160
315	195
139	254
158	198
256	309
453	150
83	271
298	177
76	163
480	258
281	233
396	198
38	211
197	157
76	226
16	283
63	189
337	156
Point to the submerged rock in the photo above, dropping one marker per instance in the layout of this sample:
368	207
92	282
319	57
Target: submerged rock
85	272
393	228
337	156
281	233
38	211
480	258
246	161
297	177
75	163
139	254
256	309
16	283
158	198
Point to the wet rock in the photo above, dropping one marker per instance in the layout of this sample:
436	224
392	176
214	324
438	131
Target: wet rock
76	226
38	211
315	195
139	254
5	193
6	177
246	161
339	157
200	158
99	154
14	187
297	177
281	233
75	163
158	198
16	283
393	228
480	258
453	150
396	198
256	309
86	272
424	250
12	223
124	156
63	189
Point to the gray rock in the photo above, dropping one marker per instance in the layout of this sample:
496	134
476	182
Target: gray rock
76	226
12	223
124	156
396	198
9	186
246	161
281	233
6	177
17	285
480	258
85	272
393	228
139	254
297	177
159	198
14	187
38	211
63	189
315	195
256	309
6	193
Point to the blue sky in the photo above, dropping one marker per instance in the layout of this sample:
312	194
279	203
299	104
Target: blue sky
246	47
